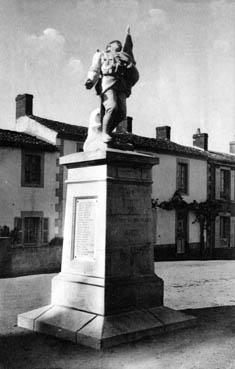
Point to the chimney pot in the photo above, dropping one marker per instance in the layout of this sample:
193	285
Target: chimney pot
232	147
200	140
125	125
163	132
24	105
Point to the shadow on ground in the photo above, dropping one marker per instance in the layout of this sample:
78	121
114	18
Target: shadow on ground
209	345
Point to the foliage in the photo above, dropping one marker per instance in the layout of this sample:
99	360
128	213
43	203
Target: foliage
4	231
56	241
175	202
12	234
204	211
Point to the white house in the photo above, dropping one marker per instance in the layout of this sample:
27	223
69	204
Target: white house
28	201
180	168
176	234
68	139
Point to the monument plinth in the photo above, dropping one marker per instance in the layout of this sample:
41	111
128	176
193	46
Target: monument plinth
107	292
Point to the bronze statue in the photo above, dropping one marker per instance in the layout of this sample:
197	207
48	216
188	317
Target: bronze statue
113	73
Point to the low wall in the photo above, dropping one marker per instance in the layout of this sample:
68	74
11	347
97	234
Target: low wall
5	250
16	261
224	253
168	252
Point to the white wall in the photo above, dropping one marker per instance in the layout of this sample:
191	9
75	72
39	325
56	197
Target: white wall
197	180
165	231
33	128
164	177
14	198
194	229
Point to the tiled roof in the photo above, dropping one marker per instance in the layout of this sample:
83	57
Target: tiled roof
160	146
79	133
74	132
65	130
19	139
221	157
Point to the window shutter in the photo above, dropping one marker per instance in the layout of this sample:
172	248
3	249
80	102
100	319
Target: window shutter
45	230
17	231
232	185
217	232
232	232
217	183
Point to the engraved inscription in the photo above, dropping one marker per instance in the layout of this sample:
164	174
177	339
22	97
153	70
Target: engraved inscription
85	222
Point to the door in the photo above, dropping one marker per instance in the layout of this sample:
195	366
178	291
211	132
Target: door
181	232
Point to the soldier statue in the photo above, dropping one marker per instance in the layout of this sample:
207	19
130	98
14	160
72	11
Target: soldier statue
113	73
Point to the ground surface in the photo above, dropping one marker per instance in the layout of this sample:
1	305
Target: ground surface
207	287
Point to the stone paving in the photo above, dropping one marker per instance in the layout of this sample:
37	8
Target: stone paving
207	287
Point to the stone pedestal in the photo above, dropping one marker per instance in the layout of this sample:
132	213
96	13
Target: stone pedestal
107	292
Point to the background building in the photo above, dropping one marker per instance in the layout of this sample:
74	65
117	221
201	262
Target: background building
33	191
28	202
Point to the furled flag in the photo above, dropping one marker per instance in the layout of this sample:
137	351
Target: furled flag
128	45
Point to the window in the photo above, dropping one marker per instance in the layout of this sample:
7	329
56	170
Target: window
31	230
225	229
225	184
32	169
182	177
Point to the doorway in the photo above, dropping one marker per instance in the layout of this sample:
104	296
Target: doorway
181	232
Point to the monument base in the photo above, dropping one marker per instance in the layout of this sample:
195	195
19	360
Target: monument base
101	332
107	292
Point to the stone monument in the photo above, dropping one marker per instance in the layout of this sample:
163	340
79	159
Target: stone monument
107	292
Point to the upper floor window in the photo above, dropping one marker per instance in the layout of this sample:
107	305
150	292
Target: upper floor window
32	173
182	177
225	184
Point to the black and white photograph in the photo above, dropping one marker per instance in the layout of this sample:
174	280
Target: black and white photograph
117	184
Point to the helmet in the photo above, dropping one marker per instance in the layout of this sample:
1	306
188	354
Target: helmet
112	45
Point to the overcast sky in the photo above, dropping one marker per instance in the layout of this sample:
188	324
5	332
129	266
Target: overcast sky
185	52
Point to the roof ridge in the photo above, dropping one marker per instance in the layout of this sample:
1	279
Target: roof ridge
55	121
166	145
20	139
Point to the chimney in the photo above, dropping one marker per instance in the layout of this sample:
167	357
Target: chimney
163	132
24	105
232	147
200	140
125	125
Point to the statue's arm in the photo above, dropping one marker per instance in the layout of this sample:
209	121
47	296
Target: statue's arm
94	70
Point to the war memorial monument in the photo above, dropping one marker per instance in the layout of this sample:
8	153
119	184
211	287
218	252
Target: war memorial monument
107	292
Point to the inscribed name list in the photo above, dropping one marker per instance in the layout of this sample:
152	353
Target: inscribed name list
85	221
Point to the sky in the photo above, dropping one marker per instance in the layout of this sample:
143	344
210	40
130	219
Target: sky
185	53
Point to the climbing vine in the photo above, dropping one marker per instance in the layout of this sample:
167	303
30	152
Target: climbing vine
205	211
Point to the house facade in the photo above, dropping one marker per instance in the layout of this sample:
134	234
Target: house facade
183	170
202	178
33	191
221	188
177	232
194	173
28	202
66	137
